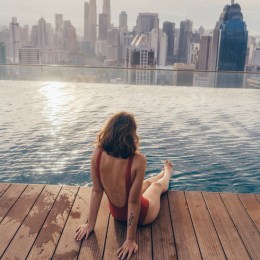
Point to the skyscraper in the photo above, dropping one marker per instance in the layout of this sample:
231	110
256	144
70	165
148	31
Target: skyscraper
42	33
204	54
14	41
102	26
169	29
185	33
2	53
92	23
228	52
146	22
107	10
58	22
123	20
86	21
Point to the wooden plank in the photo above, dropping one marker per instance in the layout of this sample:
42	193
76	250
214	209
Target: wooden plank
116	236
46	242
27	233
162	233
244	224
210	246
185	238
68	247
258	197
3	188
252	205
17	214
8	199
93	248
228	235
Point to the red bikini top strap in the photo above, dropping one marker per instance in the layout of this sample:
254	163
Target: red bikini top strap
128	181
98	164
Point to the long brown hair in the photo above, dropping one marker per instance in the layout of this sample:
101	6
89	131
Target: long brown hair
118	137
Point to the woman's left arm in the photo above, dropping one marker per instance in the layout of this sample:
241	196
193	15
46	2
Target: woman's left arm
95	200
130	246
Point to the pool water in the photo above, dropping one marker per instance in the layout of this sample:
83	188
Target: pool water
212	135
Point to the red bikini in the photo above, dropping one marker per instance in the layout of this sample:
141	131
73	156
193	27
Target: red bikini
120	213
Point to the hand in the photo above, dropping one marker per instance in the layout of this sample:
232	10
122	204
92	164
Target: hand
129	247
83	230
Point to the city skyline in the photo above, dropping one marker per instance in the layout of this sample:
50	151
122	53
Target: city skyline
183	11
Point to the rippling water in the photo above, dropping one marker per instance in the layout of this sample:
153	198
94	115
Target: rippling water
212	135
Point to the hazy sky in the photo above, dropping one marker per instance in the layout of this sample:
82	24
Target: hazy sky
201	12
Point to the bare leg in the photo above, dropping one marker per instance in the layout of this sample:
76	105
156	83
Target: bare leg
147	182
154	191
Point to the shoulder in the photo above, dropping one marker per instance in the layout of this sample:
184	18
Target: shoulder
140	158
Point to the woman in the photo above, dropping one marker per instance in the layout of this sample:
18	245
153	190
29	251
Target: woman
118	168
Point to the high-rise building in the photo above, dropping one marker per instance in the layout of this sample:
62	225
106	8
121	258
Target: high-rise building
126	39
2	53
113	40
193	53
146	22
92	23
185	34
102	26
229	45
58	22
86	21
25	39
169	29
34	35
204	54
140	56
70	37
42	33
14	41
123	21
107	11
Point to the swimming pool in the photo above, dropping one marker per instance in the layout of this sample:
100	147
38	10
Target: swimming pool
212	135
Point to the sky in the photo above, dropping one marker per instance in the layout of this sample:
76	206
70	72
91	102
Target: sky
202	12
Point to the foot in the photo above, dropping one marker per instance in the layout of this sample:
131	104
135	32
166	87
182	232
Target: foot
168	168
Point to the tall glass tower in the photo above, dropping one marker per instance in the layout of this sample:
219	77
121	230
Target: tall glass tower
232	40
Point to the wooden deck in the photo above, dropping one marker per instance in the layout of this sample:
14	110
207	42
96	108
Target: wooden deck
39	222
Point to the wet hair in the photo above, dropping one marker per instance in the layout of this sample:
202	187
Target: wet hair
118	136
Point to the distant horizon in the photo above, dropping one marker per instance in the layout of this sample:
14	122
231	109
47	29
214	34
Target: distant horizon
184	11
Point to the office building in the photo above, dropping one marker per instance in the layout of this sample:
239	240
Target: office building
102	26
204	53
169	29
86	21
123	21
107	11
229	45
70	37
193	53
42	33
14	41
126	39
184	40
140	56
113	41
146	22
92	24
2	53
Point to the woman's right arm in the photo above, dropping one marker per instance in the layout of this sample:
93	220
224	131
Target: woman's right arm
95	200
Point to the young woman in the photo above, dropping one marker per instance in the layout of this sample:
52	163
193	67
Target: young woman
118	168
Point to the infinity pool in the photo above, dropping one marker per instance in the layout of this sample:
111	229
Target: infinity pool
212	135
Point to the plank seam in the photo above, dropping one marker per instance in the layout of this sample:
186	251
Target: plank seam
172	227
258	199
235	226
43	223
5	190
214	224
193	224
151	230
248	213
23	219
13	203
76	194
105	241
